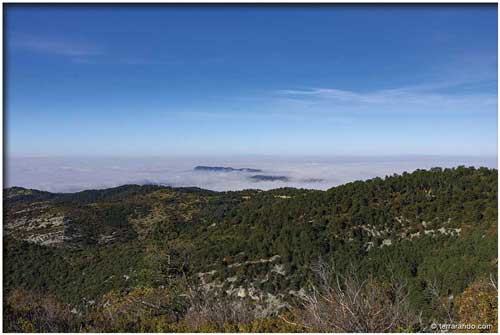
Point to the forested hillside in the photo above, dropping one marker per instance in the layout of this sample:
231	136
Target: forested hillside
421	248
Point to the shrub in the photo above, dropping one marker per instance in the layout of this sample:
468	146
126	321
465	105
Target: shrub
478	304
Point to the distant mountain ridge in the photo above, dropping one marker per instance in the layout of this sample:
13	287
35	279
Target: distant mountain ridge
224	169
261	177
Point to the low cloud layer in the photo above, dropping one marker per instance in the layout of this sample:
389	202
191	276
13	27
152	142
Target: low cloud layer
76	174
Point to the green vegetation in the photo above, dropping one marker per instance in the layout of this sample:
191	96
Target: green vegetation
161	259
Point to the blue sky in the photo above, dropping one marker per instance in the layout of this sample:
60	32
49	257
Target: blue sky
330	80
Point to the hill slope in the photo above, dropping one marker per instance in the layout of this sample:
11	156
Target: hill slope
95	249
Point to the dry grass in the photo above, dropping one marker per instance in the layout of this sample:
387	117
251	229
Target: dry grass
347	304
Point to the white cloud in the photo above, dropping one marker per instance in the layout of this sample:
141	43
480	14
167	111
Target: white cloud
58	47
75	174
425	95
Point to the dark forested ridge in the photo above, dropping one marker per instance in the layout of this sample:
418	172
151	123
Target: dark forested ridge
421	244
224	169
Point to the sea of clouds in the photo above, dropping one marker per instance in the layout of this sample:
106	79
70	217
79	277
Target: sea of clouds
71	174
